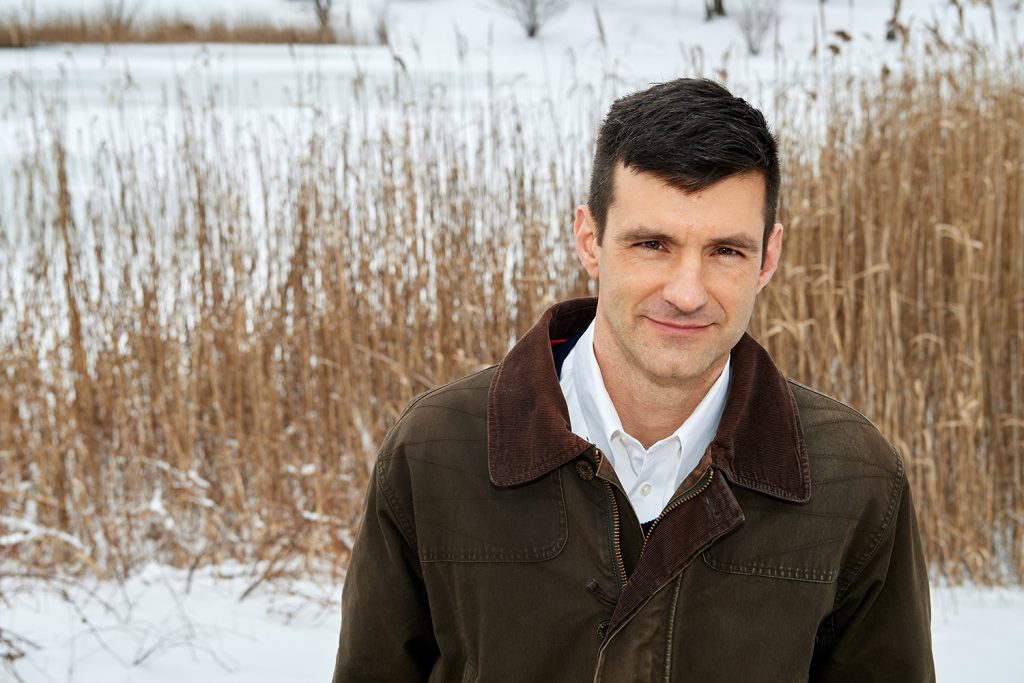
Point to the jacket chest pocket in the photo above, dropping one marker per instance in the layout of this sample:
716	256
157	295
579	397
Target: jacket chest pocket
465	518
783	542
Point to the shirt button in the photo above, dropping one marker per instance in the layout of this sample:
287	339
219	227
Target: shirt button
585	470
645	490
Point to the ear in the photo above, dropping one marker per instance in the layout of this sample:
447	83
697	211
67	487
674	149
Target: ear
584	232
772	254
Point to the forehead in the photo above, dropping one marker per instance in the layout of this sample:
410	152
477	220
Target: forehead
736	202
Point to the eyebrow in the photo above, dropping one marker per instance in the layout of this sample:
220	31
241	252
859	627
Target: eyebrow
642	233
738	241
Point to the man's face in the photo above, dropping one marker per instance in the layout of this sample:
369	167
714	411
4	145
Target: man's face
677	274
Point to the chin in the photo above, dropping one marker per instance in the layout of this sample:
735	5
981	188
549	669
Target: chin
672	374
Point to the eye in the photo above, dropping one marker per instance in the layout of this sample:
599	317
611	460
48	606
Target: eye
650	245
727	251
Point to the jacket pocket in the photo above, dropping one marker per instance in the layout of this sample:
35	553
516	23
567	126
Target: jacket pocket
783	541
464	518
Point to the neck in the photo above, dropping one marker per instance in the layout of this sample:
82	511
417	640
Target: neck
651	410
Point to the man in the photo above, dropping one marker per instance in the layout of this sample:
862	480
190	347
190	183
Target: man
636	493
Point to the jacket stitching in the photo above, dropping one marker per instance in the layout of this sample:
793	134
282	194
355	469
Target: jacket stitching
449	409
761	485
641	605
895	485
847	458
801	446
772	571
831	400
385	458
544	466
536	553
852	477
860	562
822	515
444	387
671	629
398	513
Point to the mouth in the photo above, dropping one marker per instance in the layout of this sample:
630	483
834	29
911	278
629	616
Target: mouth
679	328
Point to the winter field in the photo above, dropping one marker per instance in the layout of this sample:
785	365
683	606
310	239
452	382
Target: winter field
224	269
162	626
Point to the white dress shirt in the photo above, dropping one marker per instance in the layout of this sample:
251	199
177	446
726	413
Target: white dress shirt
649	476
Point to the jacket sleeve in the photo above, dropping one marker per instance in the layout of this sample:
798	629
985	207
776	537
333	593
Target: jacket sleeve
386	632
880	629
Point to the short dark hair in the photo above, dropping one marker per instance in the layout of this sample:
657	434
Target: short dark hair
691	133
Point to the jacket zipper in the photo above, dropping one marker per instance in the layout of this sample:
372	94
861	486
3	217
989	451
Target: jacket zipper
621	578
702	485
690	494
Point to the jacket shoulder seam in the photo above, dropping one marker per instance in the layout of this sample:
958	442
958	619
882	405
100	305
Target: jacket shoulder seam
437	390
831	399
847	578
398	513
385	456
895	494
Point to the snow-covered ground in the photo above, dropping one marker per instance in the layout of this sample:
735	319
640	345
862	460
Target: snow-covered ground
161	627
623	44
157	626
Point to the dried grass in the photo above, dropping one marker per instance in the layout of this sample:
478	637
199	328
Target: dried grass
902	293
204	373
18	33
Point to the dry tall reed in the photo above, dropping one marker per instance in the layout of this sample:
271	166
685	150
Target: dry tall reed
902	292
17	32
204	373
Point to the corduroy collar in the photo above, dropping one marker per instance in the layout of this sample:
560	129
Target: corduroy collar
759	444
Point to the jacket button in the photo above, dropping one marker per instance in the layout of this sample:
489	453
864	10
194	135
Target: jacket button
585	470
602	628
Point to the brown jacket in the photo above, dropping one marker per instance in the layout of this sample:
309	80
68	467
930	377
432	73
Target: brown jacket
497	545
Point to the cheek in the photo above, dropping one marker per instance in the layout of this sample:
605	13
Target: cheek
625	296
628	280
733	289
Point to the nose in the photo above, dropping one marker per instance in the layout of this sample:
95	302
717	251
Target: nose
685	287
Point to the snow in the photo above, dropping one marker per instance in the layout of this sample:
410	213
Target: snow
26	531
977	633
162	625
465	47
443	40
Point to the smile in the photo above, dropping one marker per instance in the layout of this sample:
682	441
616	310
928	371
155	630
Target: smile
679	328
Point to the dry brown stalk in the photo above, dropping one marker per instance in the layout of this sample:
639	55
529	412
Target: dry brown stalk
20	33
